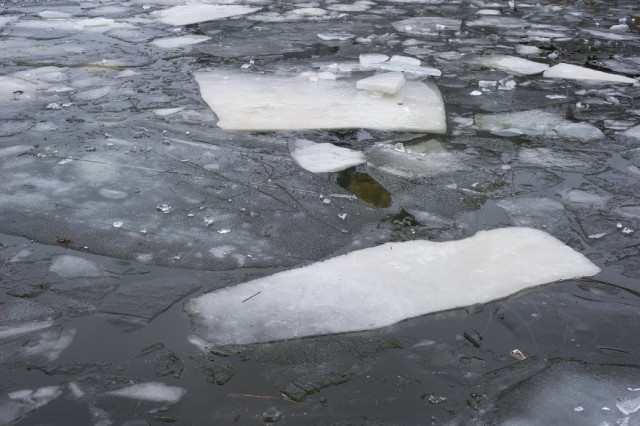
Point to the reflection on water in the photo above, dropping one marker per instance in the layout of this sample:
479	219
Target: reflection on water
364	187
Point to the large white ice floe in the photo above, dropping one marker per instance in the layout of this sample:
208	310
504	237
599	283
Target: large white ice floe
256	102
536	123
575	72
382	285
151	391
512	64
324	157
194	13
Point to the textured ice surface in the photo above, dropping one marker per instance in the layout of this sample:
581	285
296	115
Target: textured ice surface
571	394
175	42
18	403
428	25
9	331
513	64
73	24
324	157
263	102
151	391
575	72
379	286
536	123
194	13
74	267
633	132
388	82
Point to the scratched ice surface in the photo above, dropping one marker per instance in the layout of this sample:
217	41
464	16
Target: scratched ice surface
121	198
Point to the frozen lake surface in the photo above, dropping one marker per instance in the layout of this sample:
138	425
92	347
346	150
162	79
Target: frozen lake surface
153	152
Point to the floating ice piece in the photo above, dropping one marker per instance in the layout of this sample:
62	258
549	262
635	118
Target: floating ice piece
633	132
150	391
175	42
93	94
336	36
536	123
575	72
382	285
14	150
506	22
74	267
15	330
99	25
523	49
427	25
52	14
411	72
19	403
163	112
388	82
324	157
367	59
405	60
424	159
264	102
513	64
629	406
194	13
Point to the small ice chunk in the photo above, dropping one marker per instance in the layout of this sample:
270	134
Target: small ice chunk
633	132
93	94
318	299
406	60
389	83
324	157
427	25
575	72
175	42
411	72
15	330
597	236
52	14
476	93
194	13
523	49
163	112
150	391
513	64
336	36
74	267
118	224
367	59
629	406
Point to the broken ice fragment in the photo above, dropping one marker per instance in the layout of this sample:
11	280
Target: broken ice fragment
512	64
324	157
575	72
411	72
391	282
175	42
335	36
389	83
406	60
151	391
265	102
366	59
629	406
164	208
74	267
427	25
194	13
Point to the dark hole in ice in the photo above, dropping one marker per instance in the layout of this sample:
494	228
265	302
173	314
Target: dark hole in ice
364	187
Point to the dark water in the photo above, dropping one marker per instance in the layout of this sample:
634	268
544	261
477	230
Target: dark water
87	168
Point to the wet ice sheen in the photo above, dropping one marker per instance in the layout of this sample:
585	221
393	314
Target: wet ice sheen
151	391
379	286
268	102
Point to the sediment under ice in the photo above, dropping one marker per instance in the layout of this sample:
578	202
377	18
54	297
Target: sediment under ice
379	286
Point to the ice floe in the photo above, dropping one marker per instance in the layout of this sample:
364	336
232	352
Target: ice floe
175	42
324	157
73	24
194	13
633	132
512	64
427	25
268	102
536	123
575	72
390	283
150	391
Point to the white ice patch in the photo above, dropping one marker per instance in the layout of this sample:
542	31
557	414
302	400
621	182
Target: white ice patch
194	13
367	59
388	82
14	150
324	157
151	391
15	330
523	49
536	123
99	25
163	112
19	403
427	25
575	72
176	42
512	64
266	102
382	285
74	267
